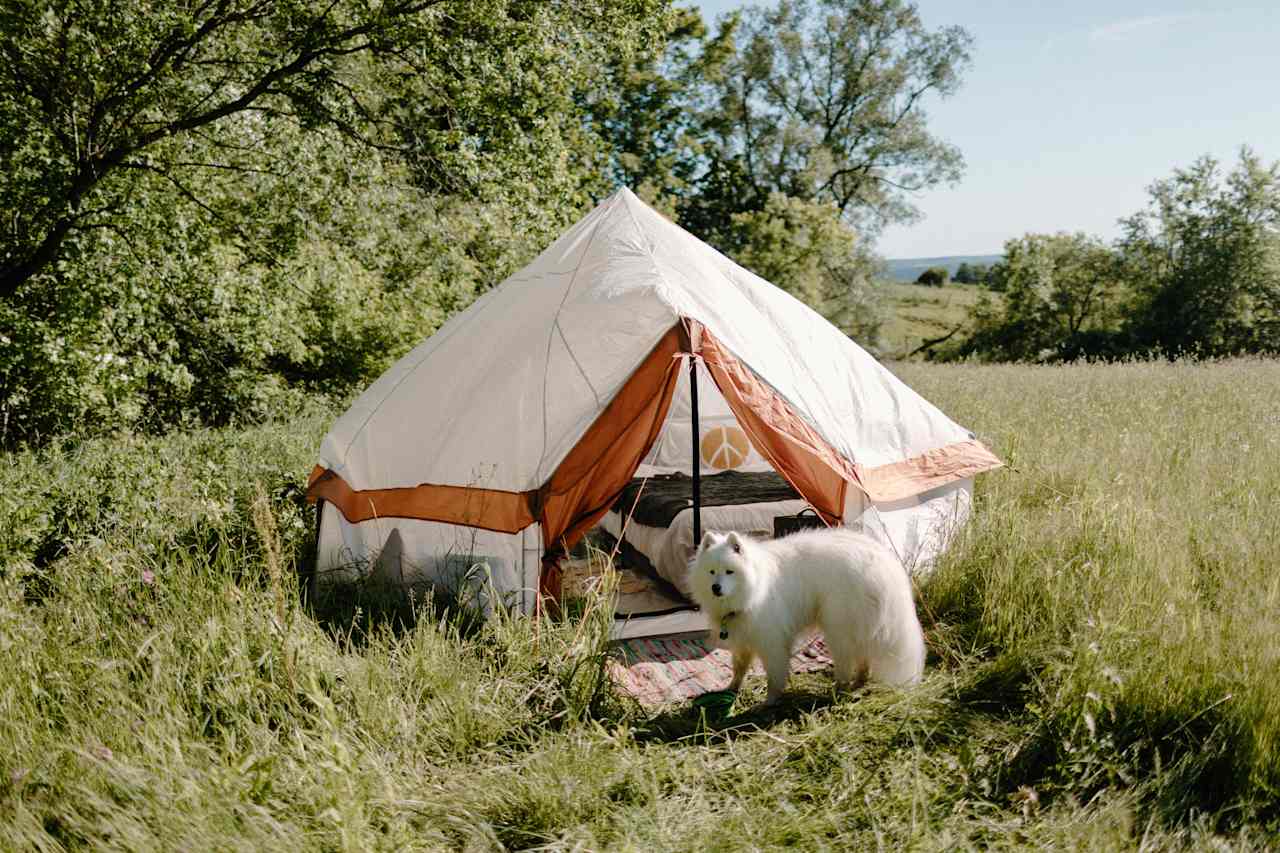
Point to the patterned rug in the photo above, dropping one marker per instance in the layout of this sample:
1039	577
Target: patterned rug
662	670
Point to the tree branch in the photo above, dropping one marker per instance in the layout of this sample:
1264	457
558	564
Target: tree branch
930	343
314	45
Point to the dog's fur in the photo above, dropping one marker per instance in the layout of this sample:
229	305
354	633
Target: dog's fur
762	594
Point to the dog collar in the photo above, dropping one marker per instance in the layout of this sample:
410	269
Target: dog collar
724	624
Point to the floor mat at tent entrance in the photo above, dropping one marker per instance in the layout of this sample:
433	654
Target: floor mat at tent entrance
662	670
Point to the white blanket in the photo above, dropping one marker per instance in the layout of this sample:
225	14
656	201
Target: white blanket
669	549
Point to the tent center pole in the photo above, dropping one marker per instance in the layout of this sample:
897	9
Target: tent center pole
697	452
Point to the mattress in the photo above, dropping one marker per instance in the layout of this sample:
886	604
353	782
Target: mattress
656	501
669	549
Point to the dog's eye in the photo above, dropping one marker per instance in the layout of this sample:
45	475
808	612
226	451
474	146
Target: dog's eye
728	571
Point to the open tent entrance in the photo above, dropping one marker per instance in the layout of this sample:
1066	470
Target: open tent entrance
703	472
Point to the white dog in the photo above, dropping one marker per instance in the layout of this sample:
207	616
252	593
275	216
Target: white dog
759	596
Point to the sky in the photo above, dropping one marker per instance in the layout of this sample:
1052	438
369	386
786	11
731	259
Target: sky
1070	110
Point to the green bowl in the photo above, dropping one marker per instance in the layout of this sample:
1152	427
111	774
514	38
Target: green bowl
716	704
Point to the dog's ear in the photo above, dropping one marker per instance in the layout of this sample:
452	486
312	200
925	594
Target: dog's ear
708	539
735	542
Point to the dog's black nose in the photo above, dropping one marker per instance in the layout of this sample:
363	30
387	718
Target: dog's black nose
715	587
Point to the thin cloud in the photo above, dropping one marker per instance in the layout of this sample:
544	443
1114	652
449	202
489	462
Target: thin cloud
1130	28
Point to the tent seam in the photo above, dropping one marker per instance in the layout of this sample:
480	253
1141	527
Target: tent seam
546	364
665	291
574	358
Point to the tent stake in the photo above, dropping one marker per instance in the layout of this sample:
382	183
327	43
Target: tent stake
697	452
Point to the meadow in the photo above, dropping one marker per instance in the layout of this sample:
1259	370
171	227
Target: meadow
1103	668
918	313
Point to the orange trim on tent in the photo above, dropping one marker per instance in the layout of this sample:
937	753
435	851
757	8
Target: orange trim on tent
488	509
790	445
933	468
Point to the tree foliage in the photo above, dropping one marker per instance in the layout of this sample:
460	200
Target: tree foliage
934	277
95	96
641	109
968	273
1204	260
1059	302
824	101
1197	272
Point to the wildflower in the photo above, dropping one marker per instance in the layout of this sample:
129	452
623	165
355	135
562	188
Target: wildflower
148	577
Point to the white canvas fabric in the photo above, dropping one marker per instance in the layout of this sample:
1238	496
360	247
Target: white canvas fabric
499	396
474	566
673	451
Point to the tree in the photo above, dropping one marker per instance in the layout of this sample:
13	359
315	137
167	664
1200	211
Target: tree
968	273
1204	257
995	277
1063	299
96	94
209	206
934	277
823	101
641	108
808	250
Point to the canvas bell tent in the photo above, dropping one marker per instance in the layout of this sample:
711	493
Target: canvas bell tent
504	437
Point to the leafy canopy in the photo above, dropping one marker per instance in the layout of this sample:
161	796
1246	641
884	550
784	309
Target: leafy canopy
1196	272
95	95
1204	260
215	204
824	101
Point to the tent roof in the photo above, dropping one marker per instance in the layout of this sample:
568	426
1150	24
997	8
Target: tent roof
504	391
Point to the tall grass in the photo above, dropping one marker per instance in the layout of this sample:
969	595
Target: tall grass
1103	670
1129	567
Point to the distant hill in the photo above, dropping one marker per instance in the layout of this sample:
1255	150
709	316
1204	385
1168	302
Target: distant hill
909	269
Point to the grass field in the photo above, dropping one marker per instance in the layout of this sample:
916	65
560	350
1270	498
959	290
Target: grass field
917	313
1104	671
